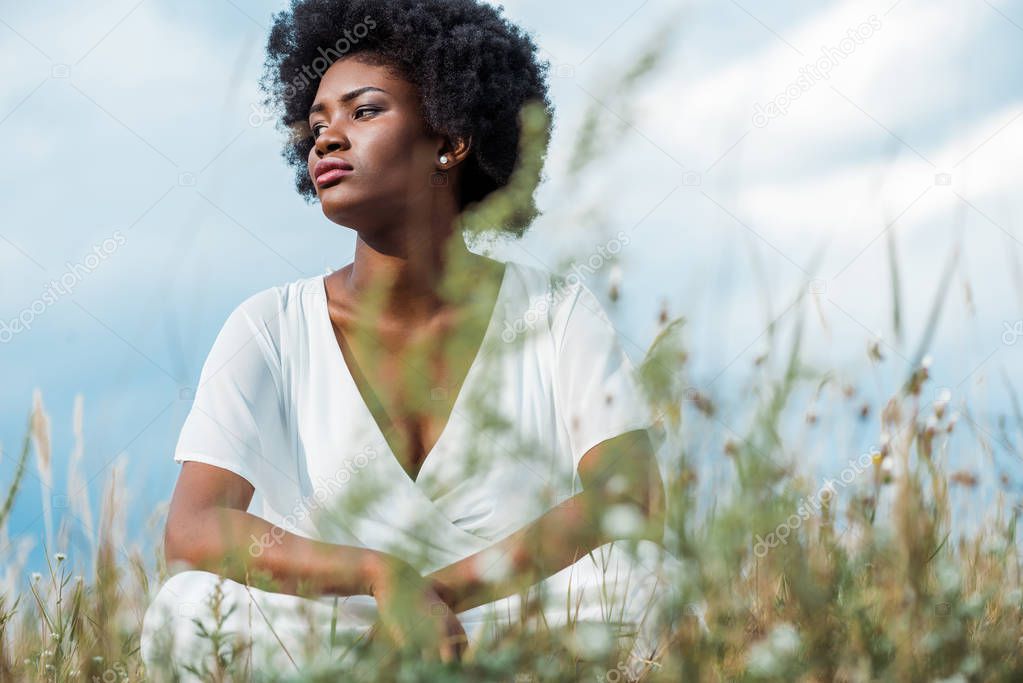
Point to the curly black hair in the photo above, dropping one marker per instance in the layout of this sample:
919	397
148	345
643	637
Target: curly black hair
474	71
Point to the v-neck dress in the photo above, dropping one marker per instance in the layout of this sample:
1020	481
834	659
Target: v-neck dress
277	405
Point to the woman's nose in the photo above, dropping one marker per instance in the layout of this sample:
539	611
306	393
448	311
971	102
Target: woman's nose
330	140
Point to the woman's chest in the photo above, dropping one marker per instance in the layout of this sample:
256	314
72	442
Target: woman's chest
409	392
492	453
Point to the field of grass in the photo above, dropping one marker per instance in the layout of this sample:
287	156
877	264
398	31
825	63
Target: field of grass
783	579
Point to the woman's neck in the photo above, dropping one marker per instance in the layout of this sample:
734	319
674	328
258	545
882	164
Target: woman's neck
406	289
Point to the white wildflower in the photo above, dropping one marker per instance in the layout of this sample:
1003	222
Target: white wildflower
768	657
954	678
617	485
948	577
622	521
493	565
591	639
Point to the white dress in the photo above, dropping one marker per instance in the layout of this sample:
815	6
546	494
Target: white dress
277	404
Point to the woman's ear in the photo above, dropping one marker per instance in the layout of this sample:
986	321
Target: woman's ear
455	151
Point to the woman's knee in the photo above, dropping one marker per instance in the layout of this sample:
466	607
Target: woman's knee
183	597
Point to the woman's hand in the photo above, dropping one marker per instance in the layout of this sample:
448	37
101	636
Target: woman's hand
412	613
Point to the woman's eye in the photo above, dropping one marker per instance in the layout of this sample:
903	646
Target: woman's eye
316	128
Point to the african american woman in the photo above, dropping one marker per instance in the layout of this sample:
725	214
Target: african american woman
409	446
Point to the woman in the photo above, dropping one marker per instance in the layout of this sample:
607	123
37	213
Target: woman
426	433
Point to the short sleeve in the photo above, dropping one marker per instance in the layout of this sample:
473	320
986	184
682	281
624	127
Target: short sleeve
596	389
236	419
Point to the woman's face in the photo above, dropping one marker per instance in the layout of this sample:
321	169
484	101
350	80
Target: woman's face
365	116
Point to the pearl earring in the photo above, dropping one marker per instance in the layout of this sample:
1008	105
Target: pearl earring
444	159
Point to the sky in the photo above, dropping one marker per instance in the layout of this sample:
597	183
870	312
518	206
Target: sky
776	153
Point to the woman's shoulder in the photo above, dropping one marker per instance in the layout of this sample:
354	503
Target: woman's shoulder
274	313
563	291
562	300
539	281
578	314
272	302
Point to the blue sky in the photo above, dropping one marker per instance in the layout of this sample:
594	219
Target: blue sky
137	122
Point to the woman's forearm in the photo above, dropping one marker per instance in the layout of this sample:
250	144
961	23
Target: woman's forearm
248	549
553	541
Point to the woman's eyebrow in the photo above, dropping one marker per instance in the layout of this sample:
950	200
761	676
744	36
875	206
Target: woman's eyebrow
347	97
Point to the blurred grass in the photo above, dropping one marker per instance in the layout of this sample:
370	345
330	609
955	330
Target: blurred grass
872	586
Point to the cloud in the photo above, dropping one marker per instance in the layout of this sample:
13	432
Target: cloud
688	109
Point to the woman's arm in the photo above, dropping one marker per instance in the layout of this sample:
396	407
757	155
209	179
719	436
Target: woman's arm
619	471
208	527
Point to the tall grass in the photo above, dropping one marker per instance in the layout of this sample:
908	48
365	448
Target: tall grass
869	583
870	586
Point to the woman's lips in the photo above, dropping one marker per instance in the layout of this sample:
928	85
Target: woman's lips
332	176
330	170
